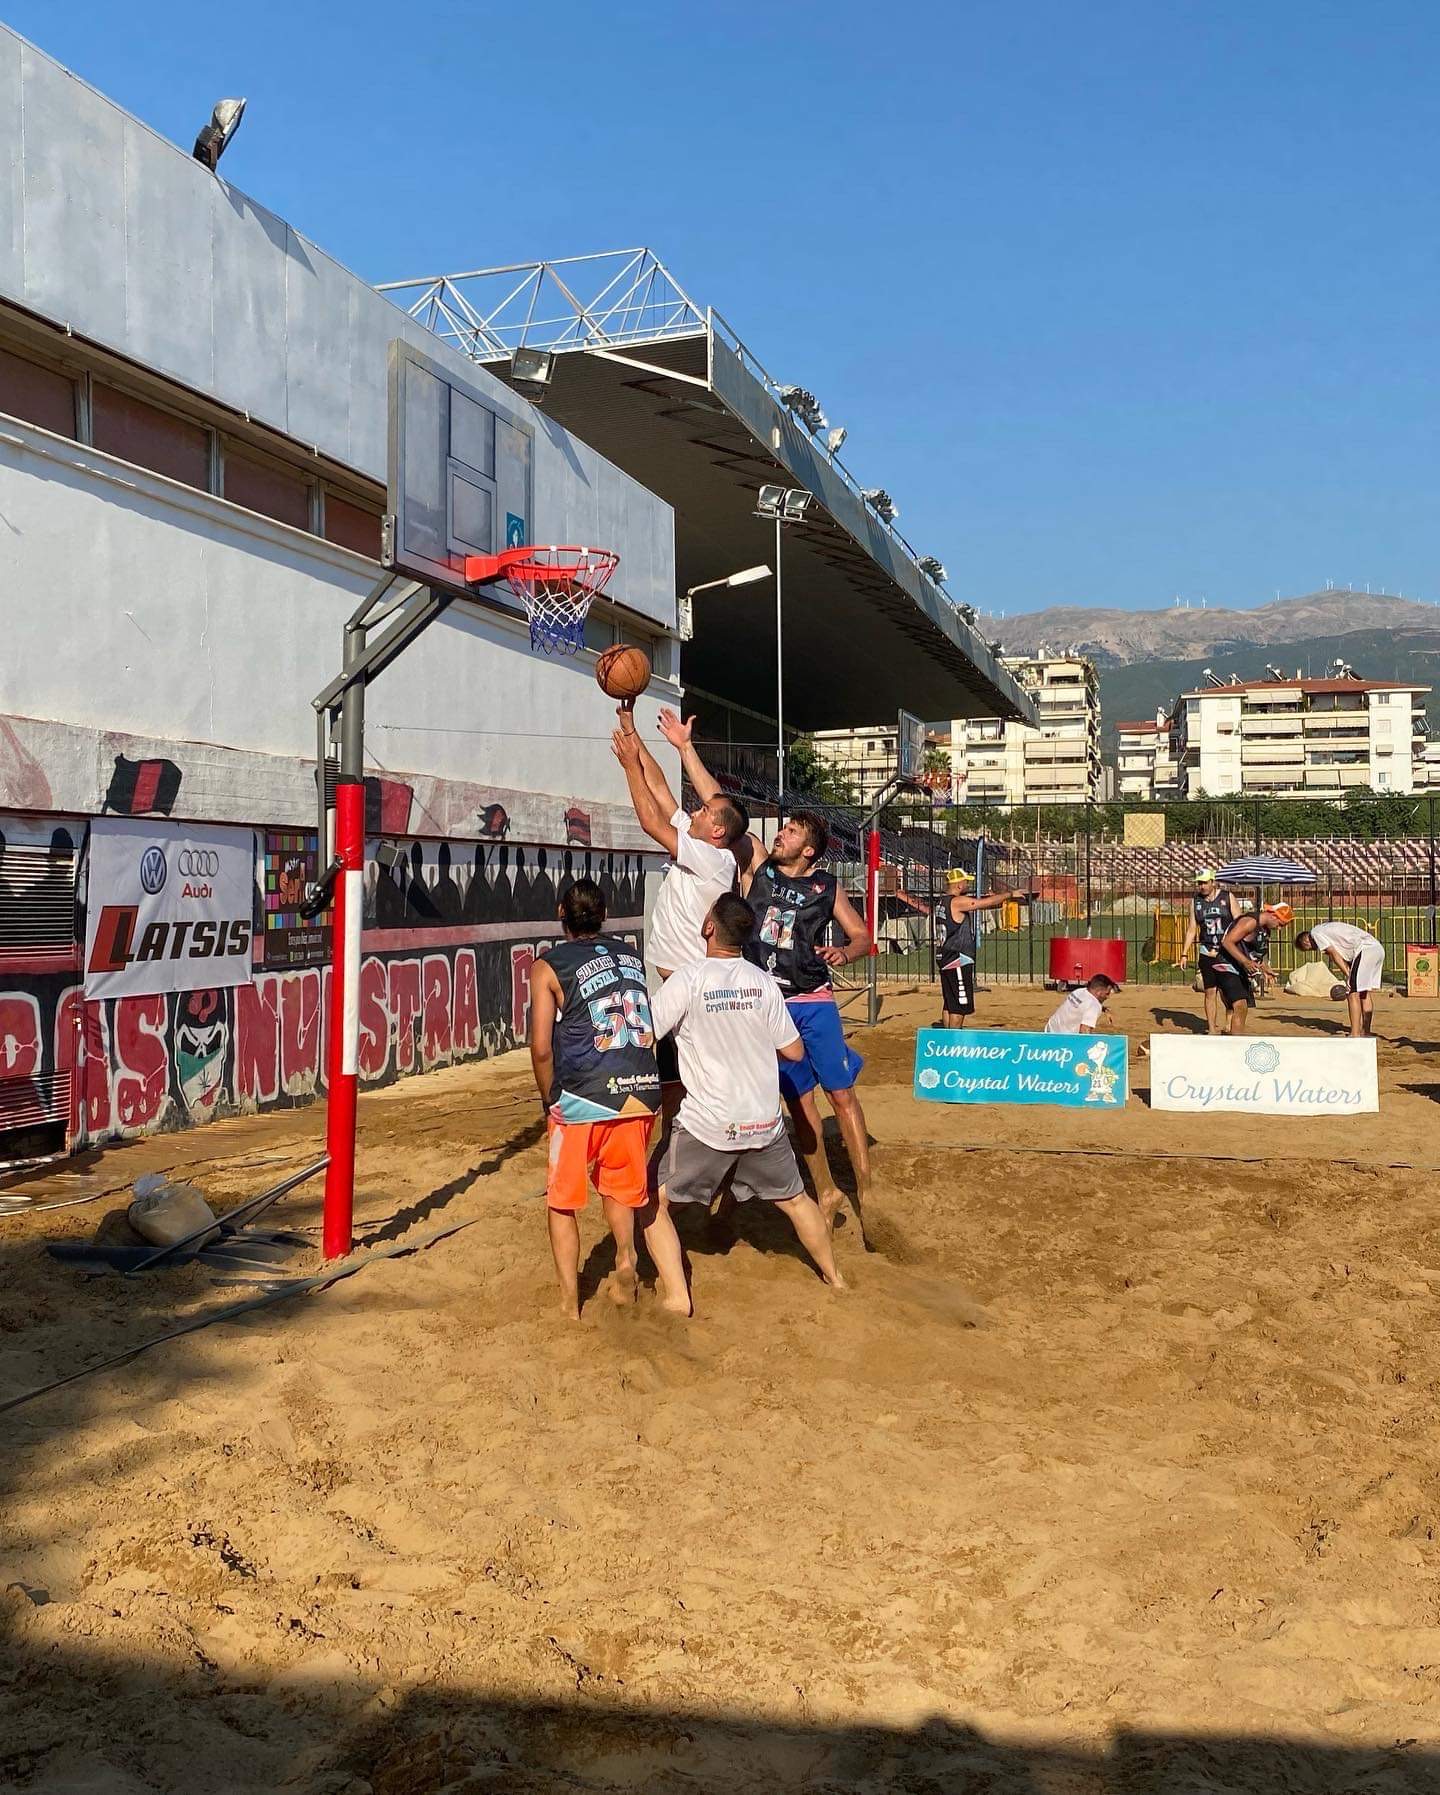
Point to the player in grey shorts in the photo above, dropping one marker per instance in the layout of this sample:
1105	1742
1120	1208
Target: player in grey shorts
729	1021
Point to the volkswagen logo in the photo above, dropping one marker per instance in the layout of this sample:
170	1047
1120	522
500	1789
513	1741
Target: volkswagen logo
152	870
198	863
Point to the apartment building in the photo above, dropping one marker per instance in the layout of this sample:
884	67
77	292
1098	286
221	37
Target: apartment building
1145	762
1300	738
866	757
997	762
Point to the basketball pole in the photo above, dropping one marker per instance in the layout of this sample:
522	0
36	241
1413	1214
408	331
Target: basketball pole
406	613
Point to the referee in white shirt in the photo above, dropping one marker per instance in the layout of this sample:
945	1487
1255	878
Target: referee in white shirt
1359	959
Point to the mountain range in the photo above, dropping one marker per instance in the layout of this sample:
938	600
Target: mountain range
1146	658
1120	638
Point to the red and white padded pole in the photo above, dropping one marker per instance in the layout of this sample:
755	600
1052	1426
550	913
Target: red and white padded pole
344	1062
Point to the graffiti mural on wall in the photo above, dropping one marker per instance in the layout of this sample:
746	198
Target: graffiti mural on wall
451	934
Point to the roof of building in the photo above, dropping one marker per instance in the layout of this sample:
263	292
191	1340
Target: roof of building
1310	687
666	390
1148	723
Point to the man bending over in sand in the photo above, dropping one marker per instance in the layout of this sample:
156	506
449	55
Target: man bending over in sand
729	1021
592	1046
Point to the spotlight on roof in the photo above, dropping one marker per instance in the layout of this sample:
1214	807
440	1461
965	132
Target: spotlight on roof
213	141
881	503
805	406
835	439
531	371
968	614
933	569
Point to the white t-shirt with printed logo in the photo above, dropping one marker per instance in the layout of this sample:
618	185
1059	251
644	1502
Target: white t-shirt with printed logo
728	1017
699	873
1082	1009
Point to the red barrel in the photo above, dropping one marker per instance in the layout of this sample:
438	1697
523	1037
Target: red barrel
1076	958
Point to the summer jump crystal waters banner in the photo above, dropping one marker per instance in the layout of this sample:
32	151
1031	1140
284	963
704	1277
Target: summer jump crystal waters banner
991	1065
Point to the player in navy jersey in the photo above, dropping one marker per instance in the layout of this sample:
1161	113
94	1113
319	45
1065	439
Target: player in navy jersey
592	1047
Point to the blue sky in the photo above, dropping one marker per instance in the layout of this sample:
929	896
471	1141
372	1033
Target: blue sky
1118	299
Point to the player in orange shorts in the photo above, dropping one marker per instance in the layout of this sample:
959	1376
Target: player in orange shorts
592	1045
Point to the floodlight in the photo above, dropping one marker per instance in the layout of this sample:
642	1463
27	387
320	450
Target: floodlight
770	500
880	502
797	502
212	142
747	576
934	569
968	614
834	440
531	371
805	406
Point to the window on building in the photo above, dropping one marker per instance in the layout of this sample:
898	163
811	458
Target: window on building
352	526
121	424
38	394
268	488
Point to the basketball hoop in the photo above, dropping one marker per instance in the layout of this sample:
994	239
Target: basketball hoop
555	585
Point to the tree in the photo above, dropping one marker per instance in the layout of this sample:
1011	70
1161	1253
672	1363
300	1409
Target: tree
807	771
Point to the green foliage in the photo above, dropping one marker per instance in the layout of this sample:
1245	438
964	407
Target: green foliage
807	771
1364	816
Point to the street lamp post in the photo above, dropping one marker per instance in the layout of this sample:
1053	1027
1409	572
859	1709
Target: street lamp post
787	505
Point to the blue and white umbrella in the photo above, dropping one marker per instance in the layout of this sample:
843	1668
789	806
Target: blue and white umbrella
1265	869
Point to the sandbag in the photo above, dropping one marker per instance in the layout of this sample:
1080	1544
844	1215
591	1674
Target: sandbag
164	1213
1313	979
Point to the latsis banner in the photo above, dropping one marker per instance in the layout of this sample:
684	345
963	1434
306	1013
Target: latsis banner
169	907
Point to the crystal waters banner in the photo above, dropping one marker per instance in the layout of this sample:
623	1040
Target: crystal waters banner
170	907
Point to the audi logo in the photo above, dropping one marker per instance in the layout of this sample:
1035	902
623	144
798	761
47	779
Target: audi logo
152	870
198	863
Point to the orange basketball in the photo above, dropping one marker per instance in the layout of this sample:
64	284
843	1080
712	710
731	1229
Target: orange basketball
622	672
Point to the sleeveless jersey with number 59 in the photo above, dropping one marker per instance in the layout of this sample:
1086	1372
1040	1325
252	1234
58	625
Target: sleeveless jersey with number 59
604	1036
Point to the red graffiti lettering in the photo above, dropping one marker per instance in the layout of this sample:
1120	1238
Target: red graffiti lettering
82	1049
374	1020
142	1062
466	1032
522	958
299	1032
404	1008
19	1035
257	1041
435	1025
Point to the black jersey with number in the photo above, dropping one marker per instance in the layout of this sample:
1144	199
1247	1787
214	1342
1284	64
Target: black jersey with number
604	1039
792	916
1213	915
959	936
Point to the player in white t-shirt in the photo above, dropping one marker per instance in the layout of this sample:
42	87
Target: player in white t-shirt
701	846
1359	959
1080	1012
729	1021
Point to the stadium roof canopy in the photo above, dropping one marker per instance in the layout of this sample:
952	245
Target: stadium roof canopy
668	392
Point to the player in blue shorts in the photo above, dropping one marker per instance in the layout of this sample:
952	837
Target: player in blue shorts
798	906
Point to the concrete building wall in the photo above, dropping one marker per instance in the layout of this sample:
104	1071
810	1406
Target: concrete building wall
113	232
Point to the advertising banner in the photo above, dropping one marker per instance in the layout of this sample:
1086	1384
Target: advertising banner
169	908
991	1065
292	860
1264	1075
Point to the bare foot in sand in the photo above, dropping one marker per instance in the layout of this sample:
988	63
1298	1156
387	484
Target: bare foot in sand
623	1286
830	1201
837	1282
678	1305
569	1308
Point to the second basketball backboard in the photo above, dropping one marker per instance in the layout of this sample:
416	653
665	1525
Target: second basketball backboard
460	471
